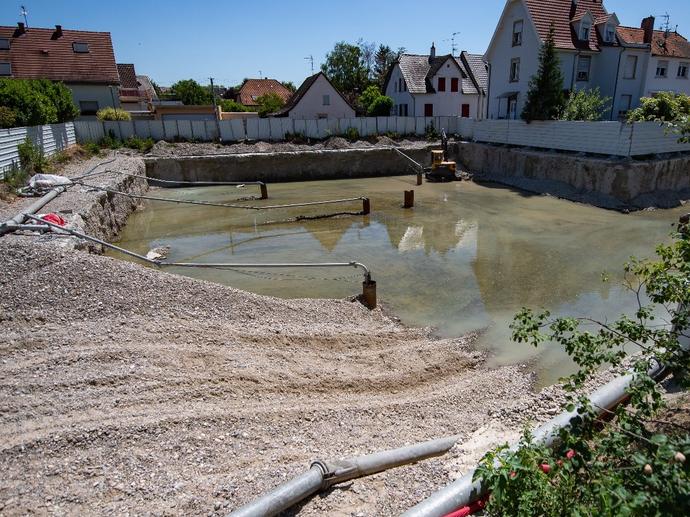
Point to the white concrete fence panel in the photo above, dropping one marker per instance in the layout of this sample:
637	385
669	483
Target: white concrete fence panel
50	139
606	138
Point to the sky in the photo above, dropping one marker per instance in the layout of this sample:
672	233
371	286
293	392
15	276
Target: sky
230	40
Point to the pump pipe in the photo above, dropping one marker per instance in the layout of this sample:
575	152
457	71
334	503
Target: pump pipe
417	164
323	475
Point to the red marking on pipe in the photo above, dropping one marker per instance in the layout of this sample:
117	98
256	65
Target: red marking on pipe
470	509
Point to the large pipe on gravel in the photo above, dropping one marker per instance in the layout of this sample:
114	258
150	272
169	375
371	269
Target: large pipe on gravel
11	224
465	490
323	475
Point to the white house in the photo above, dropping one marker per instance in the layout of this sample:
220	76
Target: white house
430	85
595	51
316	98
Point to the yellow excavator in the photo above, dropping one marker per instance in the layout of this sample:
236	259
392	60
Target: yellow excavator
441	169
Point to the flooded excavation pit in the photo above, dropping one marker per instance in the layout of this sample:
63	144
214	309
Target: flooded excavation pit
466	258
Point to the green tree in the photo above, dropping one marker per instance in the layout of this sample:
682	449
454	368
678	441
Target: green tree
545	100
585	105
370	94
289	85
629	463
269	103
36	102
8	117
191	93
345	69
384	59
663	107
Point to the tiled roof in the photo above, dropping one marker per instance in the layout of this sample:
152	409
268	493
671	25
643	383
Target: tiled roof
669	45
128	77
252	89
477	65
561	13
418	71
41	54
301	91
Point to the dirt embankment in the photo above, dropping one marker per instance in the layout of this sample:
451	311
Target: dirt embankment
129	390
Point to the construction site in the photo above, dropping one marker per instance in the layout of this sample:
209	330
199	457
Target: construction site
179	340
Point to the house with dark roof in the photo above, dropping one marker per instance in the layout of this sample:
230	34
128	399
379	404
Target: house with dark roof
83	60
136	92
252	89
431	85
595	51
317	98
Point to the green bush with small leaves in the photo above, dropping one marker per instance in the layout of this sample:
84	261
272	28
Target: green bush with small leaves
113	114
631	463
31	158
352	134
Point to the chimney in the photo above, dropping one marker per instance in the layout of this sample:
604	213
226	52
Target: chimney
648	26
58	32
21	29
432	54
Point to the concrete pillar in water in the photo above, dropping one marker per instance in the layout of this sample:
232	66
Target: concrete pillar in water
366	206
264	191
369	294
419	178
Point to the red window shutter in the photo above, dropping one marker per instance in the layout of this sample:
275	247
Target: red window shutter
466	111
454	84
442	84
428	110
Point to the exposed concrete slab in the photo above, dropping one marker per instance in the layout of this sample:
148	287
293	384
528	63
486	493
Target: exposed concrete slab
287	166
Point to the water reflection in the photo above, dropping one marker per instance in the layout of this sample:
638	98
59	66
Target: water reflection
465	258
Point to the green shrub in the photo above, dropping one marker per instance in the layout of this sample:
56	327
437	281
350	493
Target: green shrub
430	133
110	141
352	134
113	114
663	107
368	97
31	158
381	107
269	103
36	102
230	106
92	148
630	463
8	117
585	105
140	144
15	178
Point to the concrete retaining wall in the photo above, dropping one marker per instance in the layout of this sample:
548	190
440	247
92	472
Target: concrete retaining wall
286	166
609	183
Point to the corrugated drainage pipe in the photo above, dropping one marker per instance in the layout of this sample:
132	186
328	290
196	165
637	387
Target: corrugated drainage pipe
322	475
464	491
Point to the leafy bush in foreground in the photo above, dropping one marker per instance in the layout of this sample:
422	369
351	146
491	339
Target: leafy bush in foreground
113	114
632	464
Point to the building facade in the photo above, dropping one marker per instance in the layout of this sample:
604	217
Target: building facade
83	60
317	98
594	50
430	85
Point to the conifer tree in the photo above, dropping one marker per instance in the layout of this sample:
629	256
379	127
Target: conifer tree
546	99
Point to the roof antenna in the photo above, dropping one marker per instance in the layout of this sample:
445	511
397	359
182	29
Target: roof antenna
310	58
25	15
453	46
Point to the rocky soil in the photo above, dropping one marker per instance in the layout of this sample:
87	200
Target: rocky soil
167	150
126	390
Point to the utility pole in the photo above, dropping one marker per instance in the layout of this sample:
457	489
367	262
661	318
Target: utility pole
216	115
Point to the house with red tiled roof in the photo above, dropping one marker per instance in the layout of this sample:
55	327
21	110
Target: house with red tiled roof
136	91
252	89
431	85
595	51
83	60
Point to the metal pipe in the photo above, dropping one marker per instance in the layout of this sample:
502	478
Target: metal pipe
405	156
463	491
222	205
8	226
323	475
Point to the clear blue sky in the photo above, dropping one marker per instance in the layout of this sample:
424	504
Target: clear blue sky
230	40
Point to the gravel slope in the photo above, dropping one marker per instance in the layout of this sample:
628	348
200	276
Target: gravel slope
129	390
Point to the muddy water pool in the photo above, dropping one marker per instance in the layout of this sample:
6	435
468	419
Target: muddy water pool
466	258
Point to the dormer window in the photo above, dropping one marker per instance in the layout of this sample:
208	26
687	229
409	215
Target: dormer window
585	31
4	44
517	33
80	47
610	33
